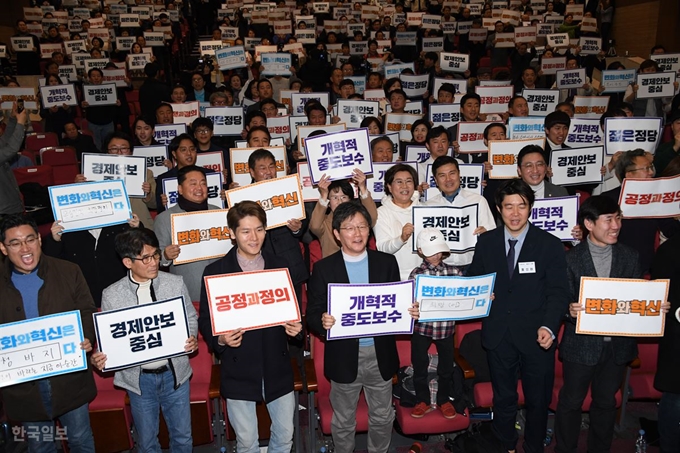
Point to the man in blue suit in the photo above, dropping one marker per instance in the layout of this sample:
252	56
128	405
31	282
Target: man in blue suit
531	298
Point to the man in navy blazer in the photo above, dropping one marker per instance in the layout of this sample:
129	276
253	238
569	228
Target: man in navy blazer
356	363
530	299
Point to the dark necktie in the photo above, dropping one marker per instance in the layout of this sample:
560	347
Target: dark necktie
511	257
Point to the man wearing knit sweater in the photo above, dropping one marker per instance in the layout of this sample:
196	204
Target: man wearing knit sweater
594	362
164	383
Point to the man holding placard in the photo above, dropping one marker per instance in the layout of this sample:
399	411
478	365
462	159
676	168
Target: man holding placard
192	197
35	286
592	362
650	107
160	384
255	363
369	363
531	299
183	150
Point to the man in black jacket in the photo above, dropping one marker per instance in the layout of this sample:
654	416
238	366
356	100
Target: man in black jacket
356	363
152	92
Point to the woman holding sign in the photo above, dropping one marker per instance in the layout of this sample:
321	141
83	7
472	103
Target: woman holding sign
394	229
255	363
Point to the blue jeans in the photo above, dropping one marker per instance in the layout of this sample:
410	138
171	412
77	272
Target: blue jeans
669	422
76	424
99	133
158	393
243	418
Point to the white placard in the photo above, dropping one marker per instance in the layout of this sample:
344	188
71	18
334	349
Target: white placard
22	43
140	334
338	154
616	81
68	73
570	78
164	133
251	300
522	127
209	47
353	111
115	76
668	62
557	216
584	131
185	113
104	94
453	298
274	64
432	44
650	198
155	157
494	99
298	101
470	136
46	50
414	86
394	70
446	115
212	161
40	348
281	199
541	102
214	182
503	156
386	314
154	39
590	106
231	57
201	235
58	95
558	40
576	165
655	85
457	224
454	62
304	131
621	307
309	190
525	34
226	120
8	96
623	134
590	46
138	61
401	123
90	205
550	66
103	167
505	41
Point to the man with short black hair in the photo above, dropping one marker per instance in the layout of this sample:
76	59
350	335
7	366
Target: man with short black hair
153	91
34	285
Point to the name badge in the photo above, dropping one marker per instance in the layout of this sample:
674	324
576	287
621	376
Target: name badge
527	268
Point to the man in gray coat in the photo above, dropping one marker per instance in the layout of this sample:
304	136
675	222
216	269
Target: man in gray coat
10	144
161	384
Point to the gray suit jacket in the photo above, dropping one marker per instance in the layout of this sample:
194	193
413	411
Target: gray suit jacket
586	349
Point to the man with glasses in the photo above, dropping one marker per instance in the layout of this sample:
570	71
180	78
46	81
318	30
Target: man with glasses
203	133
121	144
160	384
201	91
192	189
354	365
33	285
640	234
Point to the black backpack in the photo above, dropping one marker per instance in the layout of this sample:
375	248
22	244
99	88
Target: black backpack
37	202
479	439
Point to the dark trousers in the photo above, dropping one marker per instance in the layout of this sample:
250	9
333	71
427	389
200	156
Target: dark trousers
533	365
420	360
604	380
669	422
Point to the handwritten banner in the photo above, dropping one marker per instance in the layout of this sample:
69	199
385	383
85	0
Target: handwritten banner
40	348
251	300
621	307
90	205
650	198
557	216
577	165
141	334
370	310
281	199
453	298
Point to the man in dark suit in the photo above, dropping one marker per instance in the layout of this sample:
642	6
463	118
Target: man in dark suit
153	91
594	362
556	126
531	298
355	364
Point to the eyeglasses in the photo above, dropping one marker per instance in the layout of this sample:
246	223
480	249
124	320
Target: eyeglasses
531	166
649	169
354	229
16	244
146	259
203	131
118	150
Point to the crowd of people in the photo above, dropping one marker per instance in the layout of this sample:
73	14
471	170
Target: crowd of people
362	240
